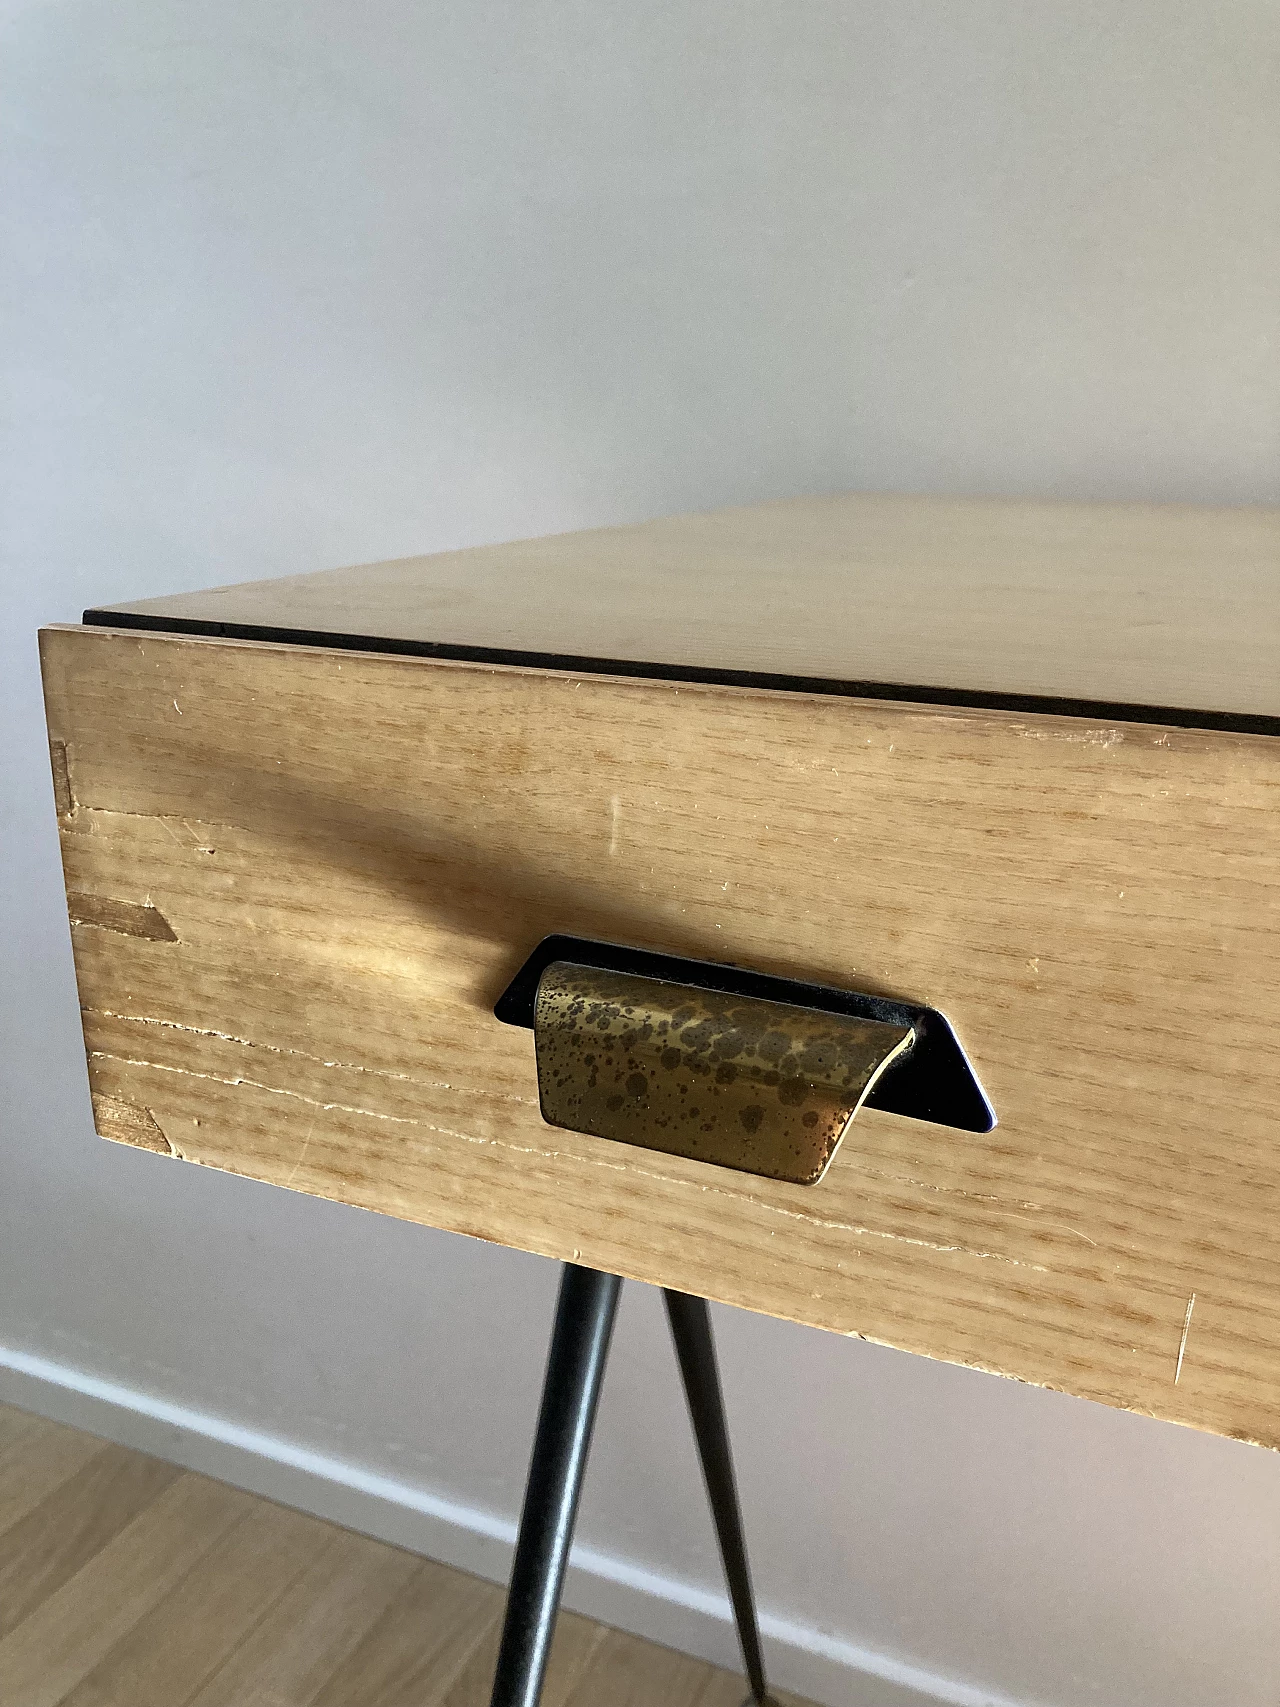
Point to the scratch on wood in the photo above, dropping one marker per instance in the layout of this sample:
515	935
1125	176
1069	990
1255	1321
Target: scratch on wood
163	819
863	1232
1086	737
304	1055
1001	1203
255	1085
615	825
64	799
302	1153
630	1167
589	1161
1182	1343
129	918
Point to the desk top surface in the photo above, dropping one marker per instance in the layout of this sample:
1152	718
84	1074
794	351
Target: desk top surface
1171	610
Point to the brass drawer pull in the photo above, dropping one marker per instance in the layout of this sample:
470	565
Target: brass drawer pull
930	1080
765	1087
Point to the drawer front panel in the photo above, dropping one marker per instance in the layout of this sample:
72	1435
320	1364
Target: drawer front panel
300	878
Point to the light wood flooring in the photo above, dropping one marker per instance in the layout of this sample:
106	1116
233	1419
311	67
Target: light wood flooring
127	1582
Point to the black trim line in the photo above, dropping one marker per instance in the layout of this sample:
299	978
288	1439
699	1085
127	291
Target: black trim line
977	699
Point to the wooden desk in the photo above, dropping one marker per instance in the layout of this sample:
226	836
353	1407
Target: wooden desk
1015	761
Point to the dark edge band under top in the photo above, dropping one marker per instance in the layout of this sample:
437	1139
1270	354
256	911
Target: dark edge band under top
976	699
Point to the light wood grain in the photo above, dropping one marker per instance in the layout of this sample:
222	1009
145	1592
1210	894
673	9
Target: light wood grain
420	1644
576	1641
355	854
36	1460
313	1628
214	1596
1165	605
625	1677
177	1646
66	1635
14	1426
69	1526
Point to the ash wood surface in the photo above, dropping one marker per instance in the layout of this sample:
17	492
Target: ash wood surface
202	1596
1142	605
355	853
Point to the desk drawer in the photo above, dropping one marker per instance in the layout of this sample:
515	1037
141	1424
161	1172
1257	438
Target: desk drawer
300	878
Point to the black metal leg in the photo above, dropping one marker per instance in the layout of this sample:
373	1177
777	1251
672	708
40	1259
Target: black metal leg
691	1330
575	1371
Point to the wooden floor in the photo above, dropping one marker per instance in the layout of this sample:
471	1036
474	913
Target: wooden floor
126	1582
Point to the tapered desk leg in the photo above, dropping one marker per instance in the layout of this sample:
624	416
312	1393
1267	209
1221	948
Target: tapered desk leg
575	1370
691	1330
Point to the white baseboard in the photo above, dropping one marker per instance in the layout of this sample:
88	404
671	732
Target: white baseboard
677	1614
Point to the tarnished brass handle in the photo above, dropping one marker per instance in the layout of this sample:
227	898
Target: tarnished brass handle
765	1087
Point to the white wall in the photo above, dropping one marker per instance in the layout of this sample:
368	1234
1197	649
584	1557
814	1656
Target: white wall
293	283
